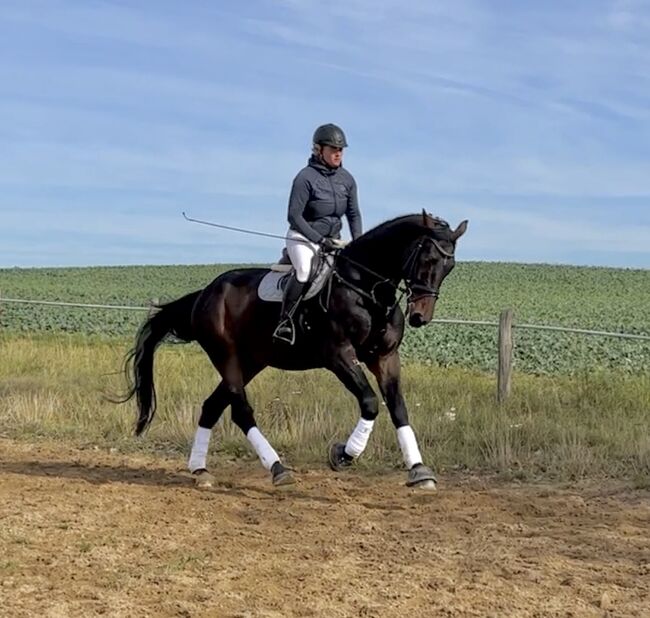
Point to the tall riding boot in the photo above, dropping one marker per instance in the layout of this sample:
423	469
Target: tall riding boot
292	296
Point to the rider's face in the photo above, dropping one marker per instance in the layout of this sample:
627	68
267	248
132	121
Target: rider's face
332	156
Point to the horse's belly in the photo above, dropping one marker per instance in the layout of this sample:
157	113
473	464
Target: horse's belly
295	359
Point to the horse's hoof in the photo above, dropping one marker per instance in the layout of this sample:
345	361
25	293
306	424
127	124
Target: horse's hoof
281	476
421	477
203	479
338	458
427	485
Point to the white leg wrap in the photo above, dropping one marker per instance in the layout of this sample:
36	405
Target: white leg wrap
409	446
358	439
264	450
199	453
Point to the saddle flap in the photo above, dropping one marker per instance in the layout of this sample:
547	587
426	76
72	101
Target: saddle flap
272	284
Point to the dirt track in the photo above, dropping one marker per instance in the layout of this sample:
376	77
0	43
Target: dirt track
86	533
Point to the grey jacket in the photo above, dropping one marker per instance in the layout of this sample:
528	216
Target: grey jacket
319	198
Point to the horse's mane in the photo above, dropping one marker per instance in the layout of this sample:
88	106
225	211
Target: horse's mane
438	228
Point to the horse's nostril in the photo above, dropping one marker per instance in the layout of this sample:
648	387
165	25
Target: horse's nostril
416	320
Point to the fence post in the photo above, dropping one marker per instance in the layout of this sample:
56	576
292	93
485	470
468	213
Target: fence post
504	377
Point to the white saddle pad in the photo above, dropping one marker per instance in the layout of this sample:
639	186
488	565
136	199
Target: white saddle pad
270	288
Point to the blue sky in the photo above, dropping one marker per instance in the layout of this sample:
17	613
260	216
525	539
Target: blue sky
530	119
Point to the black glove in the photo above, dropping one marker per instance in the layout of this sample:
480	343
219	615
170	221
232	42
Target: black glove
328	245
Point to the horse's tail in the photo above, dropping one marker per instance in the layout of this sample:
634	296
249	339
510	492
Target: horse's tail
171	318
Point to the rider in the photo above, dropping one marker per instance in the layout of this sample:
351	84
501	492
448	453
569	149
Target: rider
321	194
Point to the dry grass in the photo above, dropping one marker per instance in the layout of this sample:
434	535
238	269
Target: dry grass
596	424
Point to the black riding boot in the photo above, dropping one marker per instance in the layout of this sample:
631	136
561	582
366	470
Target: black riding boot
292	296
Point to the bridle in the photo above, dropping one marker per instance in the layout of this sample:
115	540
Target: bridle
414	290
422	290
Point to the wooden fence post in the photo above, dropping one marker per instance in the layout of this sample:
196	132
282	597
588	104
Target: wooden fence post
504	378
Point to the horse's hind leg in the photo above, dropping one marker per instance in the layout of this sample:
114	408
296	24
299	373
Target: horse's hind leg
243	417
211	412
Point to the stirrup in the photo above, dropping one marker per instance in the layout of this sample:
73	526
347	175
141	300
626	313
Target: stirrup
284	325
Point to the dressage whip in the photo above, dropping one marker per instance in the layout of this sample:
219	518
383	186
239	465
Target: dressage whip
242	230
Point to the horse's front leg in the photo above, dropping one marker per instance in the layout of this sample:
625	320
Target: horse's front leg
387	371
348	369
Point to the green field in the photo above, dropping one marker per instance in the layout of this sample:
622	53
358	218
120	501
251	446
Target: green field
593	298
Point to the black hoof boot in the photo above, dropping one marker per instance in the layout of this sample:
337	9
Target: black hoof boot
338	458
281	476
421	476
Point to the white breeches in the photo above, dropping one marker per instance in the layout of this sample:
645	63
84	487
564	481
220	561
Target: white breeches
301	253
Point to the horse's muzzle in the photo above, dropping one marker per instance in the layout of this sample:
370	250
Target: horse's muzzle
420	312
416	320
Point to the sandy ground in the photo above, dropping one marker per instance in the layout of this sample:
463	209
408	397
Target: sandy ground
89	533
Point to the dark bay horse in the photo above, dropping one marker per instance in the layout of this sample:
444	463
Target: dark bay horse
355	319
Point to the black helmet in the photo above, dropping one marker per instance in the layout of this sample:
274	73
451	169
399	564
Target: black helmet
330	135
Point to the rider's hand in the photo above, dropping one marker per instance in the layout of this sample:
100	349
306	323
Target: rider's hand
328	244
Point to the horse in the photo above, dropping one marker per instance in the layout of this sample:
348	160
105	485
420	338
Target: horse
356	318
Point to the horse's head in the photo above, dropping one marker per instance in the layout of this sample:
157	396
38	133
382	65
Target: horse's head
428	260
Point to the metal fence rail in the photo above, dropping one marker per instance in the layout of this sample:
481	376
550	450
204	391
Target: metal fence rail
56	303
564	329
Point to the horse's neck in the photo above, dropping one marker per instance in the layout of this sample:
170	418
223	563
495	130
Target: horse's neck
384	254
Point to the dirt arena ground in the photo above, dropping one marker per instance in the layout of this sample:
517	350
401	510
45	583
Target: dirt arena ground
89	533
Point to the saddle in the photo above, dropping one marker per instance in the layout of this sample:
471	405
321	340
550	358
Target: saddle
271	287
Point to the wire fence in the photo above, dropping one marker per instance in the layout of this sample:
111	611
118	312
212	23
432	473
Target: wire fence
486	323
56	303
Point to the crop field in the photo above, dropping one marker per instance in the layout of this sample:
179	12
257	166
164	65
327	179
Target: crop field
604	299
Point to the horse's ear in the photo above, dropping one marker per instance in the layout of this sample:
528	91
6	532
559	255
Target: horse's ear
427	219
459	231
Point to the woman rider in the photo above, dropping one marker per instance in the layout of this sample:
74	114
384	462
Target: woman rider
321	194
